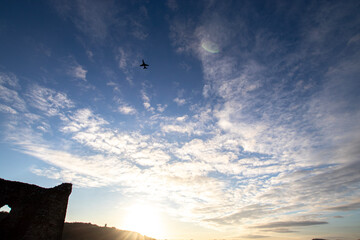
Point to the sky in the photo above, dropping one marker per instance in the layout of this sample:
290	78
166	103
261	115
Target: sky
246	124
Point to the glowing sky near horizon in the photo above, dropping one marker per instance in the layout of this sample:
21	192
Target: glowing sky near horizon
245	125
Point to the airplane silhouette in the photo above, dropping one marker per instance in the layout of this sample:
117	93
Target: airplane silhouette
144	64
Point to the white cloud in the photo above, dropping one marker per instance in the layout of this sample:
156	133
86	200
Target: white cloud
8	93
139	31
7	109
161	107
137	22
78	72
177	128
180	101
197	124
90	54
12	98
182	118
267	115
9	79
172	4
44	128
90	17
150	157
116	87
354	39
101	170
250	109
69	176
122	57
182	34
128	60
183	180
92	171
146	101
83	119
50	102
209	151
127	110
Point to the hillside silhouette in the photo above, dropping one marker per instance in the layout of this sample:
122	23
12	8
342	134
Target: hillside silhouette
88	231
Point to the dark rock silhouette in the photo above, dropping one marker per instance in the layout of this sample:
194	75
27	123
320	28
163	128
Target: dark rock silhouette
88	231
36	212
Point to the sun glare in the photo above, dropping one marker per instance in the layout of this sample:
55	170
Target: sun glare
144	219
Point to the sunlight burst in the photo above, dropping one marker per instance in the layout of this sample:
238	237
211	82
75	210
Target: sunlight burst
144	219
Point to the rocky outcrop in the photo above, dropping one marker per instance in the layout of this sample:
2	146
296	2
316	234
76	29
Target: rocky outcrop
36	212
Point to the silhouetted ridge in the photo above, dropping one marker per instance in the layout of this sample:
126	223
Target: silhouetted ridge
88	231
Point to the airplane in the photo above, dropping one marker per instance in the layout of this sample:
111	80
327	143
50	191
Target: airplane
144	64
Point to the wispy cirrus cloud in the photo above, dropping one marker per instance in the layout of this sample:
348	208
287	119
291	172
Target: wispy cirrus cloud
172	4
12	98
118	153
138	20
82	120
354	39
99	20
9	79
9	94
127	110
177	128
149	158
161	107
180	101
126	60
248	100
291	224
91	17
282	111
48	101
78	72
146	99
7	109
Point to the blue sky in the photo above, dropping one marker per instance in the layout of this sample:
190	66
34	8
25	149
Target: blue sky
245	125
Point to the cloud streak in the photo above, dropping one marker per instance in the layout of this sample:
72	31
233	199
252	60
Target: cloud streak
346	207
291	224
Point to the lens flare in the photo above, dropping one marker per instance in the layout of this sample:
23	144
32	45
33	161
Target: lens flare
210	47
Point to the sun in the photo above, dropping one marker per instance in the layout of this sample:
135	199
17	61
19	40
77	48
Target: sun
144	219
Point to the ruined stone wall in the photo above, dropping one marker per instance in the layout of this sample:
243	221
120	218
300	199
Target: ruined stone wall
36	212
